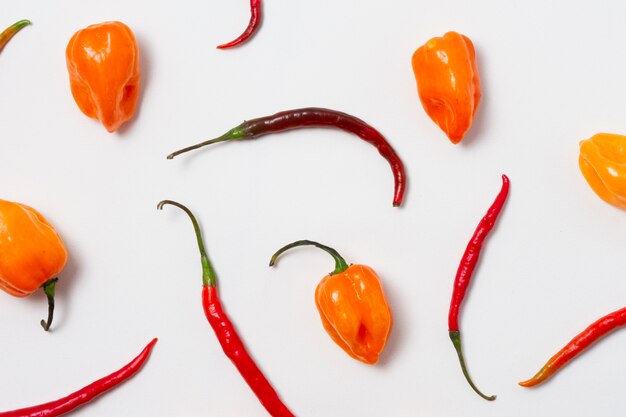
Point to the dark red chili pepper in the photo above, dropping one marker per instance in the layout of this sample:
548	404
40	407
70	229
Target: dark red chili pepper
579	343
255	21
315	117
80	397
464	275
225	332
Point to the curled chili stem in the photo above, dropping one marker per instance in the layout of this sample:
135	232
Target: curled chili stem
11	31
340	264
49	288
233	134
456	341
209	278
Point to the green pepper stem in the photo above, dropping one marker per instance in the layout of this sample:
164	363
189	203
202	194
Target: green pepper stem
340	263
11	31
48	288
209	278
233	134
456	341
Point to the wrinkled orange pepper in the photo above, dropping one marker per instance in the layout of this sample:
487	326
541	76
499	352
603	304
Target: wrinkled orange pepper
603	164
448	83
103	64
31	253
352	306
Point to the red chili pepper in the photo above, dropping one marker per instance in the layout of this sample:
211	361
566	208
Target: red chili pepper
80	397
595	331
315	117
225	332
9	32
255	22
464	275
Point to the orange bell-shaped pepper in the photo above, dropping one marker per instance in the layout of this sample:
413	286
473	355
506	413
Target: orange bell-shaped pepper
603	164
352	306
103	63
31	253
448	83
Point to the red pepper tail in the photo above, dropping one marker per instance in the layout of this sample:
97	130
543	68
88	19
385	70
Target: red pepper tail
456	341
544	373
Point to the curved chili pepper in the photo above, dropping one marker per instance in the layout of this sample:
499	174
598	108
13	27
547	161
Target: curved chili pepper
225	332
582	341
315	117
84	395
255	22
31	254
11	31
464	275
352	306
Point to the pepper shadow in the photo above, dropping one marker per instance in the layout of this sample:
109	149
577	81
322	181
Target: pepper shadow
397	335
480	121
145	65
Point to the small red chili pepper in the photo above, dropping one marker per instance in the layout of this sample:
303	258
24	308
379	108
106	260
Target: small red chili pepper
84	395
255	22
464	275
11	31
595	331
315	117
225	332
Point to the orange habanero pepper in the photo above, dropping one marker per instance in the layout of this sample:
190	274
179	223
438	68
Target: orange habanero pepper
103	64
31	253
603	164
352	306
448	83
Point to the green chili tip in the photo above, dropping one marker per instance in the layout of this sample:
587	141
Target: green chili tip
11	31
238	132
456	341
209	277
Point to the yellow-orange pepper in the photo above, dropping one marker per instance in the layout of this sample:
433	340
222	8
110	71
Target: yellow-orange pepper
103	64
31	253
448	83
352	306
603	163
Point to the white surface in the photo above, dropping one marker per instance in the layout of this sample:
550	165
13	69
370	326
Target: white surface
552	74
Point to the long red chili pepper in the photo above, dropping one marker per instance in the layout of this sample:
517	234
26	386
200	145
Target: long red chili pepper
80	397
255	21
595	331
9	32
464	275
315	117
225	332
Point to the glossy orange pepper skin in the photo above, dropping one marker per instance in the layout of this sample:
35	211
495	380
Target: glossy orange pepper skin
354	312
448	82
603	164
103	65
31	251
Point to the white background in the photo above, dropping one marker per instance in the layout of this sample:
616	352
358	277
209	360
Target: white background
552	75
